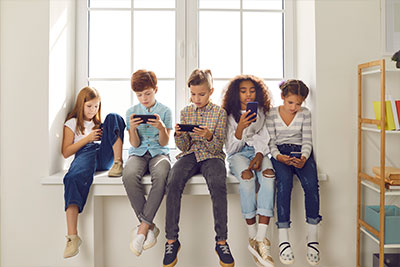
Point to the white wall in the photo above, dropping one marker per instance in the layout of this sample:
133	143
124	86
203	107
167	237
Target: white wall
35	98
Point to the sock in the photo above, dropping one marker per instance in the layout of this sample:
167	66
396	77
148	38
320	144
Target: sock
283	235
252	230
312	233
261	232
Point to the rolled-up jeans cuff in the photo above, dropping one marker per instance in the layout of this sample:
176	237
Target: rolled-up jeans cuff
143	219
283	224
249	215
265	212
314	220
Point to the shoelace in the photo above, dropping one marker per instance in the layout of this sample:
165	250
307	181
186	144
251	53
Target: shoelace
264	250
169	248
225	249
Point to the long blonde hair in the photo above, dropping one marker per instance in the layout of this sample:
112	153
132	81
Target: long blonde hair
86	94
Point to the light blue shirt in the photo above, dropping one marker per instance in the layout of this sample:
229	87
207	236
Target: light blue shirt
148	134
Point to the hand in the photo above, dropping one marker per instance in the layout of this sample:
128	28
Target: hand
255	163
299	163
156	123
203	132
134	122
94	135
178	130
285	159
244	122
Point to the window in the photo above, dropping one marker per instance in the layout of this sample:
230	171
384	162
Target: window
171	38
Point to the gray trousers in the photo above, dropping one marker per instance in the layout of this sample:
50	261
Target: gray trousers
214	172
135	168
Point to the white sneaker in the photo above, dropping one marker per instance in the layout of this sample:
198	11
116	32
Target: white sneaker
151	238
136	245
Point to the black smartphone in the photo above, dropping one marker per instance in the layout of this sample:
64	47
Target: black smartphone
295	154
144	117
187	127
252	106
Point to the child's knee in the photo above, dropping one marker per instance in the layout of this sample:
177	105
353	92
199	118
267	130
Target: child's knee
247	174
268	173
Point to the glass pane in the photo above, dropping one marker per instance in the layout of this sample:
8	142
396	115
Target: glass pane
219	43
275	92
154	3
219	87
109	44
154	42
115	96
262	44
110	3
166	96
262	4
228	4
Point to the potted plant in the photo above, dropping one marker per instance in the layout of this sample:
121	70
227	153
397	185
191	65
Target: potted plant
396	57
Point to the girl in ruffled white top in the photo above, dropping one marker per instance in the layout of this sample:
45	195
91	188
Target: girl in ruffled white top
247	148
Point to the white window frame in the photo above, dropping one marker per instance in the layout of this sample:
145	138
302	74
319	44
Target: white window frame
186	44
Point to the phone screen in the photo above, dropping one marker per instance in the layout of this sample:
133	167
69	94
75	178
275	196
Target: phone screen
252	106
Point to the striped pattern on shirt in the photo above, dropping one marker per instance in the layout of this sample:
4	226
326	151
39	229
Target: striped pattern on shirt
214	118
298	132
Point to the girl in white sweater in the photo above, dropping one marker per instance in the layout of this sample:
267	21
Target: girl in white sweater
247	149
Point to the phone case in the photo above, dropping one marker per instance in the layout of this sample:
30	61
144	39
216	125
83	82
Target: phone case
295	154
187	127
252	106
144	117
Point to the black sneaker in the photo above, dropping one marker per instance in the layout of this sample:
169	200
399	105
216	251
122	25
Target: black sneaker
225	256
171	252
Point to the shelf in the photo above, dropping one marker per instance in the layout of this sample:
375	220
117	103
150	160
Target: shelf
375	130
374	187
377	240
378	71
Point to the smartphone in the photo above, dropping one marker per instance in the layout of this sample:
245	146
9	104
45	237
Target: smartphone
187	127
252	106
295	154
144	117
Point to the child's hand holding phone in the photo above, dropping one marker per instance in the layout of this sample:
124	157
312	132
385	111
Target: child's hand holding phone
203	131
297	159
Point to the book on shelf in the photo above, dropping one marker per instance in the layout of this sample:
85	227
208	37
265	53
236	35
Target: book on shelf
392	187
391	173
394	111
389	123
397	103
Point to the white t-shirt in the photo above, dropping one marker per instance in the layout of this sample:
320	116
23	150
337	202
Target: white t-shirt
71	123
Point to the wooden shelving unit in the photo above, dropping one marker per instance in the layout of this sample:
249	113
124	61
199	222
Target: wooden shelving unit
364	179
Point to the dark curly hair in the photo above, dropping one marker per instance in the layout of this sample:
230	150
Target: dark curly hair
231	99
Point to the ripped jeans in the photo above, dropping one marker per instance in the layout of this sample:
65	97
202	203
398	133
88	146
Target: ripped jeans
251	201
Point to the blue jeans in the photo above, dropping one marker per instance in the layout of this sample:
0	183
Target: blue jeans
90	158
251	202
284	183
214	172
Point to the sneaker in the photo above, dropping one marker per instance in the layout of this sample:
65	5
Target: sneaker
136	245
224	254
116	169
151	238
72	246
264	249
171	253
261	252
